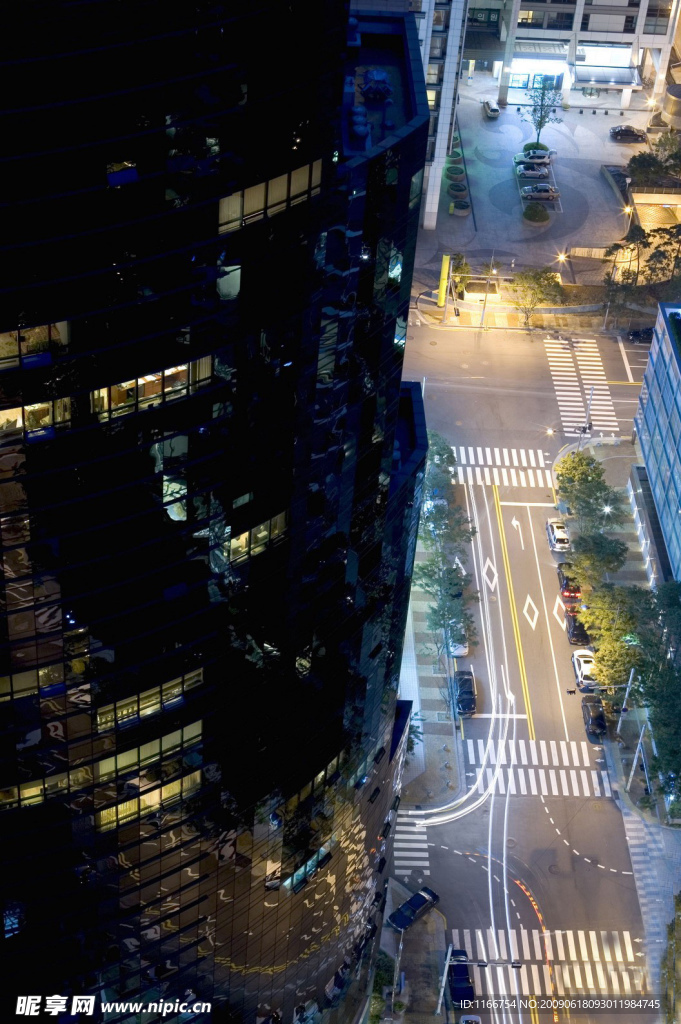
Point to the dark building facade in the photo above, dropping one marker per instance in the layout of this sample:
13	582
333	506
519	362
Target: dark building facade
209	493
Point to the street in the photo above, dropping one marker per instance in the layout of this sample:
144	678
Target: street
539	808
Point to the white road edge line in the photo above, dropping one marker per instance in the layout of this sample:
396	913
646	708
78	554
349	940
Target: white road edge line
627	368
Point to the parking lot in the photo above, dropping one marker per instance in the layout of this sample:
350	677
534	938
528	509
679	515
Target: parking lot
588	213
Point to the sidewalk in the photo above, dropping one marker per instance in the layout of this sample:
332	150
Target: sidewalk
431	314
431	775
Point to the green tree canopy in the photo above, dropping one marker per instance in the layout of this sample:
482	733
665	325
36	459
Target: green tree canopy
646	169
614	661
531	288
594	555
618	613
460	270
543	101
582	486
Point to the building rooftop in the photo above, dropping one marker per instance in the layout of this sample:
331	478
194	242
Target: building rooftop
671	313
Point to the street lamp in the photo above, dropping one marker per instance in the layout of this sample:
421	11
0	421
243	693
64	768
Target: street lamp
561	257
491	271
549	431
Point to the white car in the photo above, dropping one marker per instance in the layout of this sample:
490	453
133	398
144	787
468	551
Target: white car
532	171
491	108
546	192
557	533
583	663
534	156
458	648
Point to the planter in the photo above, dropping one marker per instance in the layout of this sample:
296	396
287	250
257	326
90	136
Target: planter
456	140
462	208
455	173
456	157
535	215
458	191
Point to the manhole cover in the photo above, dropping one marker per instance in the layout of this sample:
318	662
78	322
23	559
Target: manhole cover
433	343
553	869
511	843
410	337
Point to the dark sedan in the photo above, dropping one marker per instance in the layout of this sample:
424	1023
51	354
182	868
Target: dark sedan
466	693
574	629
627	133
570	590
459	977
594	715
414	908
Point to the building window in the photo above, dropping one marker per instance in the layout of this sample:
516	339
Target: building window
150	702
584	27
148	802
657	20
151	390
438	47
630	24
440	21
434	74
242	546
433	98
269	198
33	346
531	19
560	20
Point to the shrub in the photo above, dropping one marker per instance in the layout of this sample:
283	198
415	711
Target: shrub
536	213
533	145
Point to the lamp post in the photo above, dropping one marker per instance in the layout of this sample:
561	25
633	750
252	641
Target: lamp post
587	424
491	270
624	702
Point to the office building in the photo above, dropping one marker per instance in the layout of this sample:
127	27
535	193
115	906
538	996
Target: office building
658	425
209	494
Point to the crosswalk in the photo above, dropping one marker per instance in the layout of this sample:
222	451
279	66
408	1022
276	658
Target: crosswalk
410	849
576	367
536	768
562	962
510	467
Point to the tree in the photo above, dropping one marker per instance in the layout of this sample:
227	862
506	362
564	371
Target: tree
460	270
594	555
619	612
629	251
531	288
619	290
582	486
646	169
614	661
667	243
543	101
666	148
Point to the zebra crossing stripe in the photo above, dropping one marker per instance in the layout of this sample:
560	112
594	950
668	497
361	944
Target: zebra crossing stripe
628	946
583	948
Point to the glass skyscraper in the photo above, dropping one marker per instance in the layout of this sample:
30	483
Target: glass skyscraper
210	480
658	423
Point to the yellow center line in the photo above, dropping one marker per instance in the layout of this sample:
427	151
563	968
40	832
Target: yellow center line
514	613
626	383
534	1014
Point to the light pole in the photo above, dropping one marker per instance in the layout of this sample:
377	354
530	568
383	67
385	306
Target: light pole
624	702
491	270
587	423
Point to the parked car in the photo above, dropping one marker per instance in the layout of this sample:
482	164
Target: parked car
627	133
557	533
466	693
582	665
459	977
642	335
414	908
570	590
458	648
594	715
534	192
535	156
491	108
532	171
575	631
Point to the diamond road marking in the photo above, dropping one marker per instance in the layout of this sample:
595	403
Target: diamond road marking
531	612
490	580
558	612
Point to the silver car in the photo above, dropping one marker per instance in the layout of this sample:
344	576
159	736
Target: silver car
532	171
491	108
535	156
548	192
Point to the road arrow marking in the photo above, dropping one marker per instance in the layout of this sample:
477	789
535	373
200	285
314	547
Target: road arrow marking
516	526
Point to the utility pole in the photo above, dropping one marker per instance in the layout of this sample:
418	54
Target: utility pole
587	422
624	702
490	270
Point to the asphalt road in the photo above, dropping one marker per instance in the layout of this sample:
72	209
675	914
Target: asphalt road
539	810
